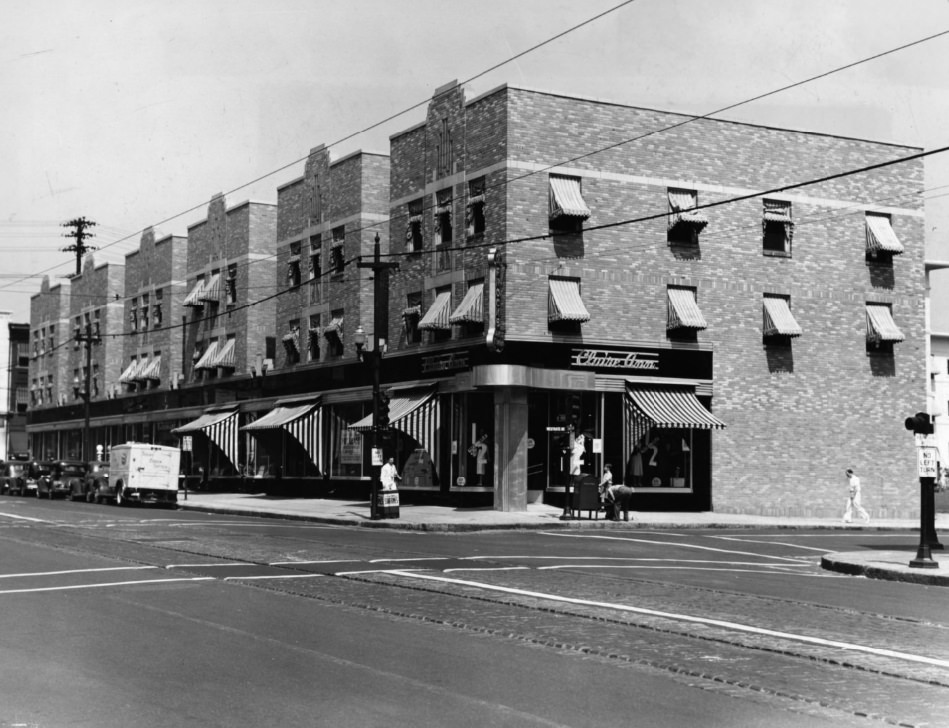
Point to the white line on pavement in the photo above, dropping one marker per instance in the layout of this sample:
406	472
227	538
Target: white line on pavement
272	576
77	571
324	561
740	539
675	544
674	561
24	518
734	626
497	568
189	566
99	586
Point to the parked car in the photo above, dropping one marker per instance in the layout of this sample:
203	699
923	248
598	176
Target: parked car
13	477
34	470
94	486
59	478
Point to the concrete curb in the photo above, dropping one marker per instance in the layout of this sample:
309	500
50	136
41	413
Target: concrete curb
887	565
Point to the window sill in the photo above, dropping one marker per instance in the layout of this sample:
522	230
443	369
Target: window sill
775	254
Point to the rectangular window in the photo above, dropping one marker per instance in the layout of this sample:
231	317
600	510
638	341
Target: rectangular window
778	228
337	252
313	340
685	223
334	333
316	268
413	230
291	342
411	316
443	230
474	211
144	320
77	332
133	315
445	149
230	285
316	201
293	267
97	319
566	207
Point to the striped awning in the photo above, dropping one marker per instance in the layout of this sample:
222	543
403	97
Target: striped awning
411	311
437	315
413	411
291	341
212	289
195	297
126	375
778	320
681	203
665	408
880	236
566	199
334	328
777	211
684	312
207	358
300	420
220	427
153	370
880	324
226	356
564	302
470	310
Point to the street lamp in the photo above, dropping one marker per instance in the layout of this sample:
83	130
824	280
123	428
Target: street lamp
374	356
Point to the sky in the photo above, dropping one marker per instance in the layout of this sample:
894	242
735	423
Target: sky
134	113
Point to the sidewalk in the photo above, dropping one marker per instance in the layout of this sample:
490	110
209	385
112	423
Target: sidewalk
893	565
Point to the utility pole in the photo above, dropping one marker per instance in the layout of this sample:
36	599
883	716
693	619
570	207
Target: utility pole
85	390
380	418
79	225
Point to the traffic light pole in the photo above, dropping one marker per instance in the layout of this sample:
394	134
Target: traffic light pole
380	296
921	425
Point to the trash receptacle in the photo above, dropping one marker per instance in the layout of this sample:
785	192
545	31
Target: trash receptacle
388	504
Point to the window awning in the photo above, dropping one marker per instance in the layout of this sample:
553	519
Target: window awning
194	298
413	411
668	407
470	310
880	236
880	324
291	341
226	356
681	203
565	198
564	302
684	312
334	328
207	358
153	370
777	211
411	311
212	289
220	427
778	320
126	375
437	316
301	420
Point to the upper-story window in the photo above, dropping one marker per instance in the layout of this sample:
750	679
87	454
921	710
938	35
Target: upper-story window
97	320
881	240
443	222
316	201
52	339
410	318
144	318
567	208
77	332
315	269
444	151
230	285
413	229
313	339
685	223
778	228
337	251
133	315
474	210
293	266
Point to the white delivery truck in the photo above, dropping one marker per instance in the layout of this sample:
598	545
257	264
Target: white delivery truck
143	473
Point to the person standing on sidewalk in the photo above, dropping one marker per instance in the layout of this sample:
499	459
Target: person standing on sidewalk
389	475
853	499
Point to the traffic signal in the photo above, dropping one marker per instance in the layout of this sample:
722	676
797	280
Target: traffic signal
383	410
920	423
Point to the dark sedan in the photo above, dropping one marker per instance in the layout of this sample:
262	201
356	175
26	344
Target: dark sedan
59	478
13	477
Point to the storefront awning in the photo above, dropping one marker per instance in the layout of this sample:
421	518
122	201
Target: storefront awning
194	298
207	358
471	309
669	407
220	426
566	200
778	320
226	356
301	420
564	302
437	316
684	312
880	324
880	236
413	411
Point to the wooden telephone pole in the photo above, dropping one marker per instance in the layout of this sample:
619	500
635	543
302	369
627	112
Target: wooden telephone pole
79	225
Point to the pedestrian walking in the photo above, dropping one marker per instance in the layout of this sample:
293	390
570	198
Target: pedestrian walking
606	482
853	499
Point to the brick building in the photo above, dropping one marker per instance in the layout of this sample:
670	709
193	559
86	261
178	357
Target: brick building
14	386
580	283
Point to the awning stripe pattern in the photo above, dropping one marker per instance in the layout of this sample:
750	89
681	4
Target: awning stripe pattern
437	315
125	376
684	312
880	324
471	309
220	427
681	203
153	370
413	411
334	328
564	302
212	289
300	421
566	199
226	357
666	408
136	375
880	236
778	320
194	298
207	358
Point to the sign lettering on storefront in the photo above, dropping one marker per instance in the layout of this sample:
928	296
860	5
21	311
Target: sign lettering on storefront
613	359
444	362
